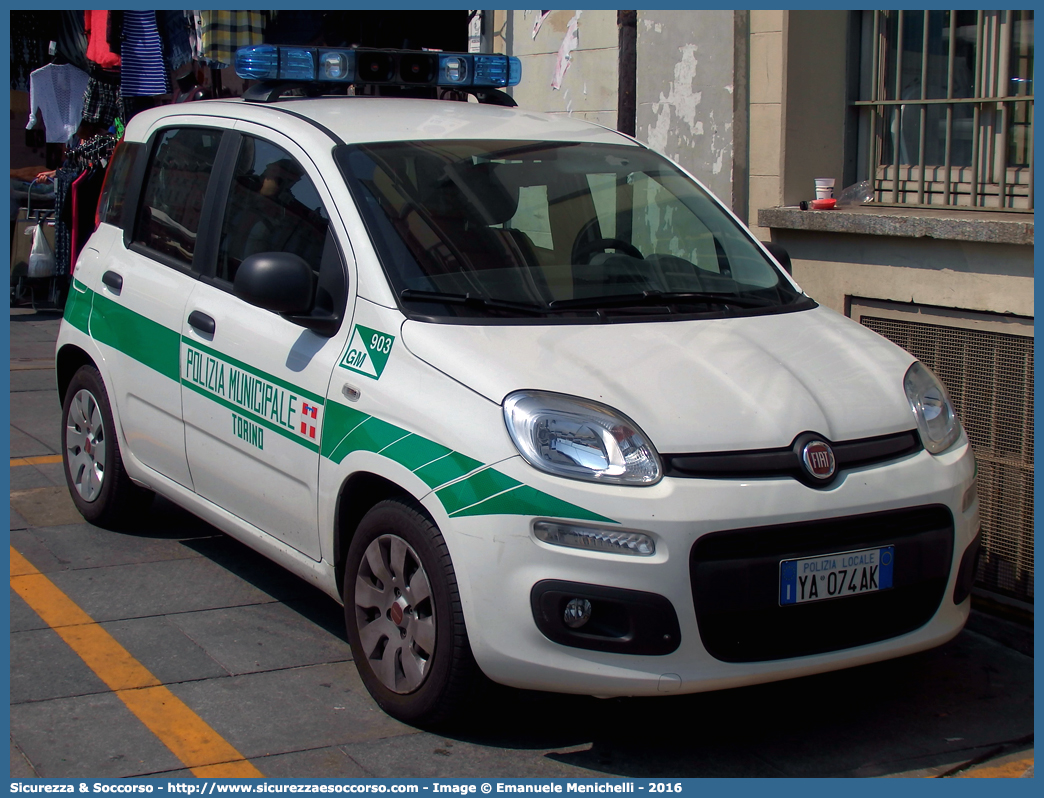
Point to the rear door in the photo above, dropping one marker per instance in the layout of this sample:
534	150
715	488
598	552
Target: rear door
254	383
139	309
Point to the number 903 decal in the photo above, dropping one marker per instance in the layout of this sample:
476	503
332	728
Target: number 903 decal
368	352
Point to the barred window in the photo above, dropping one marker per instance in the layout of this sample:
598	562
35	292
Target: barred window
946	107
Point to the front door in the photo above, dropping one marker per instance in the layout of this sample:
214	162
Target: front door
253	383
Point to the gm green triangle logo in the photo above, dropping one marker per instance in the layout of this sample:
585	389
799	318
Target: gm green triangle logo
368	352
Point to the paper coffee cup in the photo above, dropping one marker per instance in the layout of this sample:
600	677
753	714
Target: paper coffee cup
824	187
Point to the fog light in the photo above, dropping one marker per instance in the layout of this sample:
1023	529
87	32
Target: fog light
577	613
612	541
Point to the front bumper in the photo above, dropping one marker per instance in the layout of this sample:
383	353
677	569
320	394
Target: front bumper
498	562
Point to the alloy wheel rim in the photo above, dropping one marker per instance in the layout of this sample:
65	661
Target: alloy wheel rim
395	612
85	445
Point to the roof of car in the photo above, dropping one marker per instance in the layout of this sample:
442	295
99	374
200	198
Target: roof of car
373	119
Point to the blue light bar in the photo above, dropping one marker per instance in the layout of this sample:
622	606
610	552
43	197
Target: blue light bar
389	67
260	62
296	63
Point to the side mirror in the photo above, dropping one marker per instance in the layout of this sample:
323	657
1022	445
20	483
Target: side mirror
278	281
780	254
284	283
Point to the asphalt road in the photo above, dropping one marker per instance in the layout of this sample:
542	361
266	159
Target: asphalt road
171	650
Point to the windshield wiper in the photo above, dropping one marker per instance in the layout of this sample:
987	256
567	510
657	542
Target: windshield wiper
470	300
661	298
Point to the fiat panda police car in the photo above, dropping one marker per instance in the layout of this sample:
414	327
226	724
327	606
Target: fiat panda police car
515	389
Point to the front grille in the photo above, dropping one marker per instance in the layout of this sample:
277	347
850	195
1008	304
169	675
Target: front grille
786	461
735	584
989	376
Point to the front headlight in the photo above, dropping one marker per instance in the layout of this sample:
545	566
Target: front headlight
936	421
576	438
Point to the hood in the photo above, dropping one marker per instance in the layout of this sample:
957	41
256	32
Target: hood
693	386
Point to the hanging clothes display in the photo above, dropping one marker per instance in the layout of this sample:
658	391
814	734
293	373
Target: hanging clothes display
63	180
174	33
101	102
96	25
77	188
71	38
29	37
143	72
86	190
57	92
221	33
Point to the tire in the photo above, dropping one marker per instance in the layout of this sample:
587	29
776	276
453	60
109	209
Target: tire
100	487
404	619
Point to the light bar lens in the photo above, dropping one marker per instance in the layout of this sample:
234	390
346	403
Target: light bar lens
337	65
260	62
296	63
306	64
453	69
491	70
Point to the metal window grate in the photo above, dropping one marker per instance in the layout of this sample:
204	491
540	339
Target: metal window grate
947	105
989	377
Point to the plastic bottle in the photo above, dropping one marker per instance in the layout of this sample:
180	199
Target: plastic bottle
856	194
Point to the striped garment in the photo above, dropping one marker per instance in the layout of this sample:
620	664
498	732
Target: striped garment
143	72
224	32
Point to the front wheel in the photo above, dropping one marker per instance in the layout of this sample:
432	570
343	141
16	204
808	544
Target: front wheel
100	487
404	618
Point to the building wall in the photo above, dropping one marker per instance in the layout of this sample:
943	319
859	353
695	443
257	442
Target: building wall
814	110
767	65
569	61
686	92
970	275
691	81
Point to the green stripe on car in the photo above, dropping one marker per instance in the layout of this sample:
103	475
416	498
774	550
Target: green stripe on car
460	482
78	306
138	337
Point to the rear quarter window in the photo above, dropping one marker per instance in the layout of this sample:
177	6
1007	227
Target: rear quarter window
117	182
175	187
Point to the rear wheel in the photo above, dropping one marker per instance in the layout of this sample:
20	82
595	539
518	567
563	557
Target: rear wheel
100	487
404	619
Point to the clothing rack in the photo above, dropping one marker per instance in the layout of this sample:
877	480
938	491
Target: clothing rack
91	151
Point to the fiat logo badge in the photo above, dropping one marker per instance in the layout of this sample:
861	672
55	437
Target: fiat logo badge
818	459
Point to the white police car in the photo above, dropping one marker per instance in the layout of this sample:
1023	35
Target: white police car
514	388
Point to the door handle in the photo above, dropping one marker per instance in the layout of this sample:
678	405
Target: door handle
202	322
113	280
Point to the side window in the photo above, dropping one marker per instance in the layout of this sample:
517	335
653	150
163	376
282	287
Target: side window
175	186
272	207
117	178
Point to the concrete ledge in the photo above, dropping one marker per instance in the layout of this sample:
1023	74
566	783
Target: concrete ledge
948	225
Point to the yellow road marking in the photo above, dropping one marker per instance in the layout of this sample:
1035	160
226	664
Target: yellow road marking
43	459
1009	770
188	736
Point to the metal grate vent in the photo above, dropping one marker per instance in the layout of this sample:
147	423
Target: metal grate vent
989	377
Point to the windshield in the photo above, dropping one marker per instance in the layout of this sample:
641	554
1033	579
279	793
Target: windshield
549	230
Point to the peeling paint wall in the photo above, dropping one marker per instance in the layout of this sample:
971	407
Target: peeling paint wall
569	61
685	92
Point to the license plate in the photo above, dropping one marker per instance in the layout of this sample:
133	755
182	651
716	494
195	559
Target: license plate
846	573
